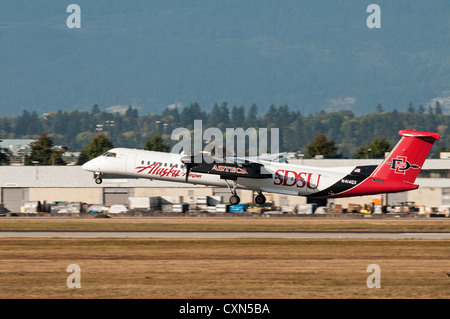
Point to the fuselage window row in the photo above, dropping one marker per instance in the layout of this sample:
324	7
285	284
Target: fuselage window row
161	164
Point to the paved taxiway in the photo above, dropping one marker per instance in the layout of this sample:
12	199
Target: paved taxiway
218	235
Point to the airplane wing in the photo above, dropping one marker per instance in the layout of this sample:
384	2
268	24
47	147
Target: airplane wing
228	167
279	157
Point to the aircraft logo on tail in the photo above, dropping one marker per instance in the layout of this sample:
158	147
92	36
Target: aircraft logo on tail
400	165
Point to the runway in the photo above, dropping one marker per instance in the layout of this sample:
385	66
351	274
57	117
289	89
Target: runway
223	235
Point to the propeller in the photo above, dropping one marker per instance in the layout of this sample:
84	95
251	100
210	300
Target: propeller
187	161
195	160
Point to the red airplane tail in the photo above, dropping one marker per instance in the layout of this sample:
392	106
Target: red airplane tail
399	170
406	159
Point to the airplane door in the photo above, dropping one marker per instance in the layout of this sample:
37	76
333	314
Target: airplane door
131	162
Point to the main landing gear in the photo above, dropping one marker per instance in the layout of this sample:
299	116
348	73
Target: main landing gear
260	199
234	199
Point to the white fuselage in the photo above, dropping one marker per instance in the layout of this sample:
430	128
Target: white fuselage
286	178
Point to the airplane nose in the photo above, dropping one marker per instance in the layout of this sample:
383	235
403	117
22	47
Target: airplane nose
88	166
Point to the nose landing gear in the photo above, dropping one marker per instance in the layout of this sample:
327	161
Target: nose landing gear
98	179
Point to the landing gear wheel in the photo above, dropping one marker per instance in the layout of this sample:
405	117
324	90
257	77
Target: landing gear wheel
260	199
97	177
234	199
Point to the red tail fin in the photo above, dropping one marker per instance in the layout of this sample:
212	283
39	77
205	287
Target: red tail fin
399	170
406	159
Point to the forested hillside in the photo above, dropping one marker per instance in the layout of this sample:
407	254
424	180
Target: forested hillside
76	129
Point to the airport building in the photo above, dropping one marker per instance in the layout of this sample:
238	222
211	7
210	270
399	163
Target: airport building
21	184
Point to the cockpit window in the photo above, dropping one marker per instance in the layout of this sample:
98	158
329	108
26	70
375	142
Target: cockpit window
109	154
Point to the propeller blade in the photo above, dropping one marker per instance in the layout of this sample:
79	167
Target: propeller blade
188	169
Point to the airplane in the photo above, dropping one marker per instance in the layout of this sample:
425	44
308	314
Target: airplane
272	173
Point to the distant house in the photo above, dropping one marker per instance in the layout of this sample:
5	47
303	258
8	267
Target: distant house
17	148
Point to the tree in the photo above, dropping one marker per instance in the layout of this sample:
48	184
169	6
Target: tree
224	114
99	145
131	112
191	113
421	109
322	146
271	116
375	149
95	109
251	120
44	153
214	117
156	144
172	117
438	108
28	124
4	158
237	116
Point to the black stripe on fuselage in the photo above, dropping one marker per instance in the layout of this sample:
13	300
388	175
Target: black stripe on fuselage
356	177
